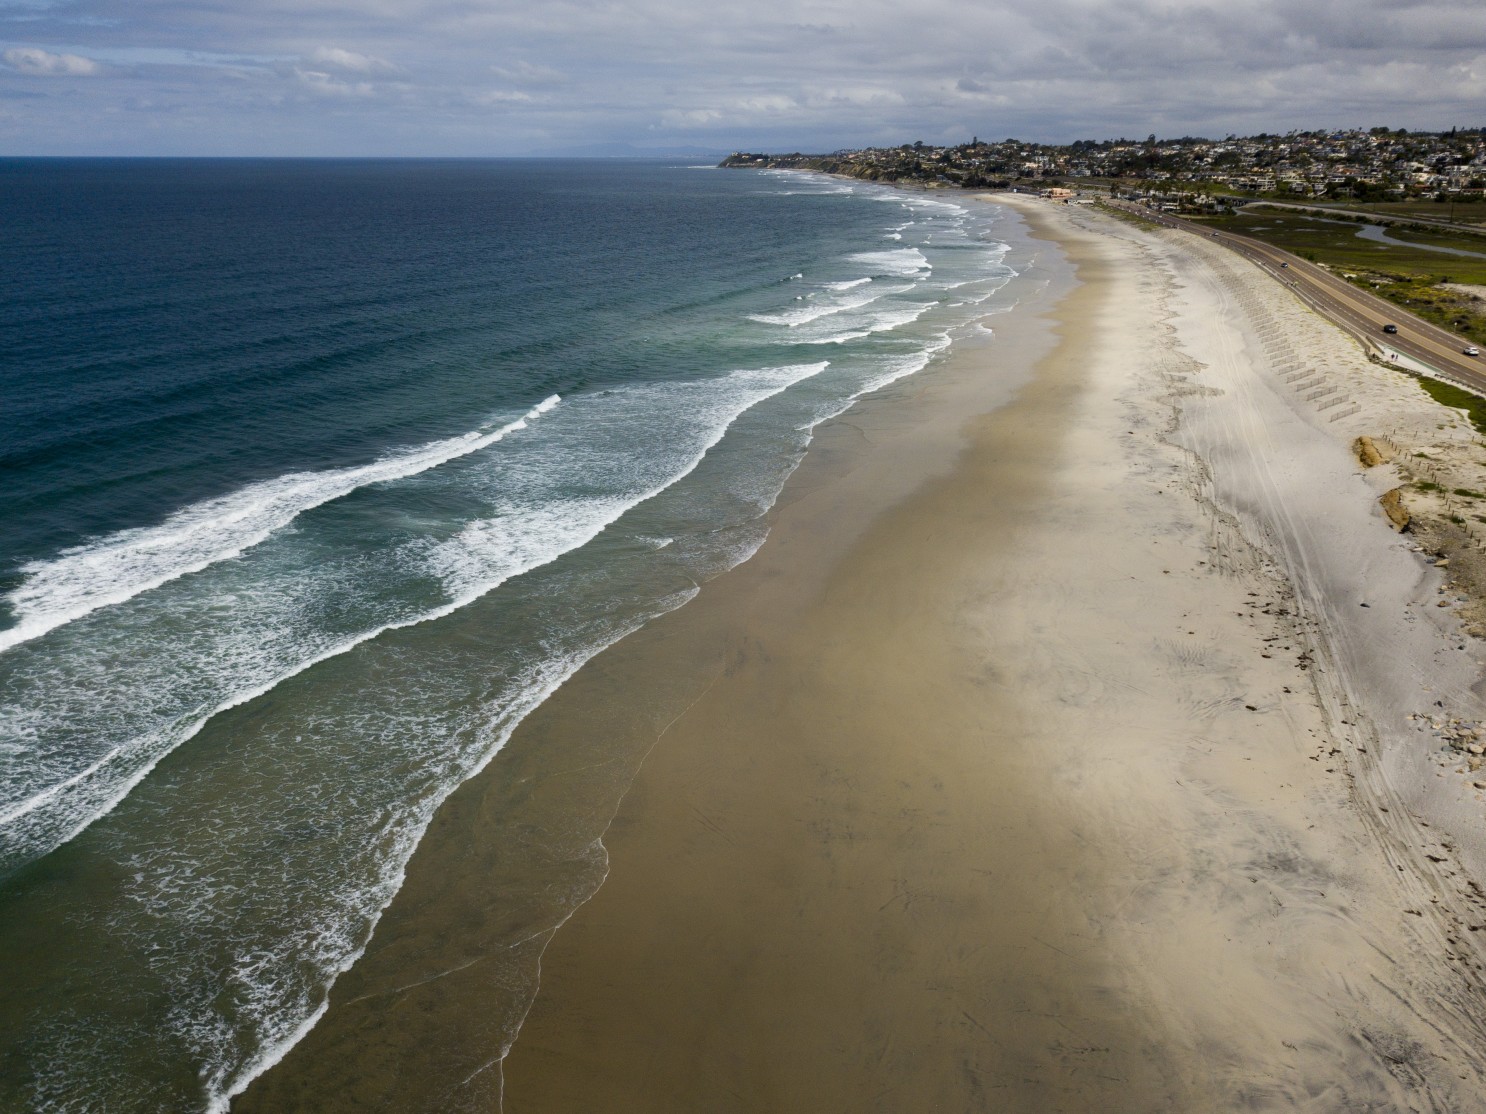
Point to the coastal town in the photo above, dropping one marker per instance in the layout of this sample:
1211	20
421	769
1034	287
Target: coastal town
1374	164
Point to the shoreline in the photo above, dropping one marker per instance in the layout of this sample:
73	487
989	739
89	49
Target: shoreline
515	848
895	806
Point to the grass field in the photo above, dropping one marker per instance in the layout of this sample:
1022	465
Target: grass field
1450	395
1405	273
1417	234
1461	212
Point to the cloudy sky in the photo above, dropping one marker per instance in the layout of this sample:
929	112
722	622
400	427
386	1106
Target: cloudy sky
510	77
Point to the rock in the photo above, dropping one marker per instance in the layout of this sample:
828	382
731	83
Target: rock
1476	748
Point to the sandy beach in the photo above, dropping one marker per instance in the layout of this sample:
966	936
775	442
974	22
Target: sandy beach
1080	740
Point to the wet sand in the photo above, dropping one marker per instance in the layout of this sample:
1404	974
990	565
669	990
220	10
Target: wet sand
844	879
999	779
1030	806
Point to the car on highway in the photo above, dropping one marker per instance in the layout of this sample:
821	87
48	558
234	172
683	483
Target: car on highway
1471	350
1284	264
1390	328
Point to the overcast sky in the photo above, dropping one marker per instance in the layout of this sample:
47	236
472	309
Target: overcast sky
510	77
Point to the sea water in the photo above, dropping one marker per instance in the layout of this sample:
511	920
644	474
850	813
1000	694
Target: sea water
318	476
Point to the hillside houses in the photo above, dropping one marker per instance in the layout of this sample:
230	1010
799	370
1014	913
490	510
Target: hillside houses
1373	164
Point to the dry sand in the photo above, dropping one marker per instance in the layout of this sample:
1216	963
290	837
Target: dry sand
1045	758
1047	798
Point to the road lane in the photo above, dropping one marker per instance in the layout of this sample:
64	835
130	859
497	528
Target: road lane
1359	312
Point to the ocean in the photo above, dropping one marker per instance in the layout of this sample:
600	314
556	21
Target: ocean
318	476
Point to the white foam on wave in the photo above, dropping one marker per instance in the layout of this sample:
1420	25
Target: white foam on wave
282	1013
900	262
117	568
282	1029
486	552
884	322
909	365
848	284
917	202
827	307
258	651
268	983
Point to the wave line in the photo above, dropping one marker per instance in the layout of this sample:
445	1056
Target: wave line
115	569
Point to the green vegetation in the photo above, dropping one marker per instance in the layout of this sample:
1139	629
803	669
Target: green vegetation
1456	399
1409	276
1338	245
1439	237
1128	217
1460	313
1427	485
1460	212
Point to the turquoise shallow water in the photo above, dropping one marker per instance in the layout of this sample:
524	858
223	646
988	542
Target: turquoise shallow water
319	476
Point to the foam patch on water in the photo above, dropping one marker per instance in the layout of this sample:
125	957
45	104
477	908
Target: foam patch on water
901	263
828	307
884	322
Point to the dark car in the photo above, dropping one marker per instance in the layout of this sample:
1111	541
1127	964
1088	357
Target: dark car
1390	328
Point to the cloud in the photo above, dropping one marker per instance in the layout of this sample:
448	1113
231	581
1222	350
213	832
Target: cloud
324	84
41	63
526	73
491	97
504	76
349	61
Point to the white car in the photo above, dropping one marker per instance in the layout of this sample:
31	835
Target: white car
1471	350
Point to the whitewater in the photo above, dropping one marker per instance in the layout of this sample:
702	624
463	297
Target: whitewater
281	580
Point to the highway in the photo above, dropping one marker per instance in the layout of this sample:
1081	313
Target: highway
1355	310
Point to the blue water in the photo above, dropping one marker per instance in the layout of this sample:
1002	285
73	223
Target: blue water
1379	233
318	476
